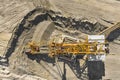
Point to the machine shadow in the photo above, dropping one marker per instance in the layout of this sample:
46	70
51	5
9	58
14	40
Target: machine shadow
41	57
113	35
46	58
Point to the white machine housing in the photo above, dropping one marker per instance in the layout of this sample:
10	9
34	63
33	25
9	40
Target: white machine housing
98	39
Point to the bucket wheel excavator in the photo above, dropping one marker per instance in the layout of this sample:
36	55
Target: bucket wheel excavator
69	49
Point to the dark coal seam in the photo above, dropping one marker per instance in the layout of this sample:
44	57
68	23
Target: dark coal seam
18	31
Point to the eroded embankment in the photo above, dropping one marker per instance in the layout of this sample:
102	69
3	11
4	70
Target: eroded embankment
43	19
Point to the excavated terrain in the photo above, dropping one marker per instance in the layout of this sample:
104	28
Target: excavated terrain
37	20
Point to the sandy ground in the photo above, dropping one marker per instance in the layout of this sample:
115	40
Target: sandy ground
4	38
112	63
104	11
99	10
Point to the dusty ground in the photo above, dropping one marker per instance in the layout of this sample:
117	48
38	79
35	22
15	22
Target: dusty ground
94	16
112	63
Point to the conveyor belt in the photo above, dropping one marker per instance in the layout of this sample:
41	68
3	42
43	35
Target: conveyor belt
107	31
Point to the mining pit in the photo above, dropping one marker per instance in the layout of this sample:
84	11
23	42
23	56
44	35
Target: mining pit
39	21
